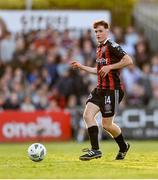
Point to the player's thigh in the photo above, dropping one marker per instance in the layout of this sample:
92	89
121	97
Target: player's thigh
90	111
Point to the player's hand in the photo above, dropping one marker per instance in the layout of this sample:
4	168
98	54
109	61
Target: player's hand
104	71
75	65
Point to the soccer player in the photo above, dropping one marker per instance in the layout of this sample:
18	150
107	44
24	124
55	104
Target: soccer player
110	58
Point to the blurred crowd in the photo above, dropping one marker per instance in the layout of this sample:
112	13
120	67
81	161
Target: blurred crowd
35	72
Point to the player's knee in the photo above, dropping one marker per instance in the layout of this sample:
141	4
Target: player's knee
107	126
107	123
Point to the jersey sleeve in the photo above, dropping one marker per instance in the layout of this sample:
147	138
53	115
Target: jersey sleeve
116	50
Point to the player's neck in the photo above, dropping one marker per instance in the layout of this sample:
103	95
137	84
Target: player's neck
103	42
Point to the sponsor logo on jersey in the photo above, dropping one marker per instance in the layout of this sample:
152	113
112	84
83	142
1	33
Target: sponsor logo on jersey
101	61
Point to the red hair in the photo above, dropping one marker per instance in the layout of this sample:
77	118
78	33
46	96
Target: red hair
101	23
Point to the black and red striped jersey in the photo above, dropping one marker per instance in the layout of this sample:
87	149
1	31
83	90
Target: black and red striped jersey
109	53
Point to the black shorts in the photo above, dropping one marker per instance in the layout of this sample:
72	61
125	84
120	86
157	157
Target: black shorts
107	100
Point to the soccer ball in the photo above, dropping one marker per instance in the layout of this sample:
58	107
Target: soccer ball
37	152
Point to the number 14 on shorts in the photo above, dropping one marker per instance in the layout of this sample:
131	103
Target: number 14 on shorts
107	100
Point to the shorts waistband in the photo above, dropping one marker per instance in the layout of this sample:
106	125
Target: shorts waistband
101	90
105	90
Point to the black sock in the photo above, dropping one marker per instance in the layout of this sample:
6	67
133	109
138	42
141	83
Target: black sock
93	135
121	142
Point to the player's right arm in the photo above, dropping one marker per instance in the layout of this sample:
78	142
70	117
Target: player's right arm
77	65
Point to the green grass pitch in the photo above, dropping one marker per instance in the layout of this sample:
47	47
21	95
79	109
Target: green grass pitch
62	161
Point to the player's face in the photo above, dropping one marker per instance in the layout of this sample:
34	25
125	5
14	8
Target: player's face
101	33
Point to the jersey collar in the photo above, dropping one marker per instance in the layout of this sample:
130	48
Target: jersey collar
101	44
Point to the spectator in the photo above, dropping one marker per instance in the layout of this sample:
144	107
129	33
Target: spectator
142	54
145	82
130	76
27	105
7	48
131	36
12	103
153	103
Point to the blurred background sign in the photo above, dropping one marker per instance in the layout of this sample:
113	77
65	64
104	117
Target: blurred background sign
139	123
34	126
60	19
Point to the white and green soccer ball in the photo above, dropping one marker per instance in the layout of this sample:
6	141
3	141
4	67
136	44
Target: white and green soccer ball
36	152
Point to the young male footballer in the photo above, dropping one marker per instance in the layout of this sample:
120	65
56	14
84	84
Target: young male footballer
110	58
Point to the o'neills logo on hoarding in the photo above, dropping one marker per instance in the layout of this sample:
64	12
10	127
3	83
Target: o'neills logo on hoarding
22	126
43	126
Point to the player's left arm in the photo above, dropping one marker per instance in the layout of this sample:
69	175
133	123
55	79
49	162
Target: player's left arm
120	56
125	61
